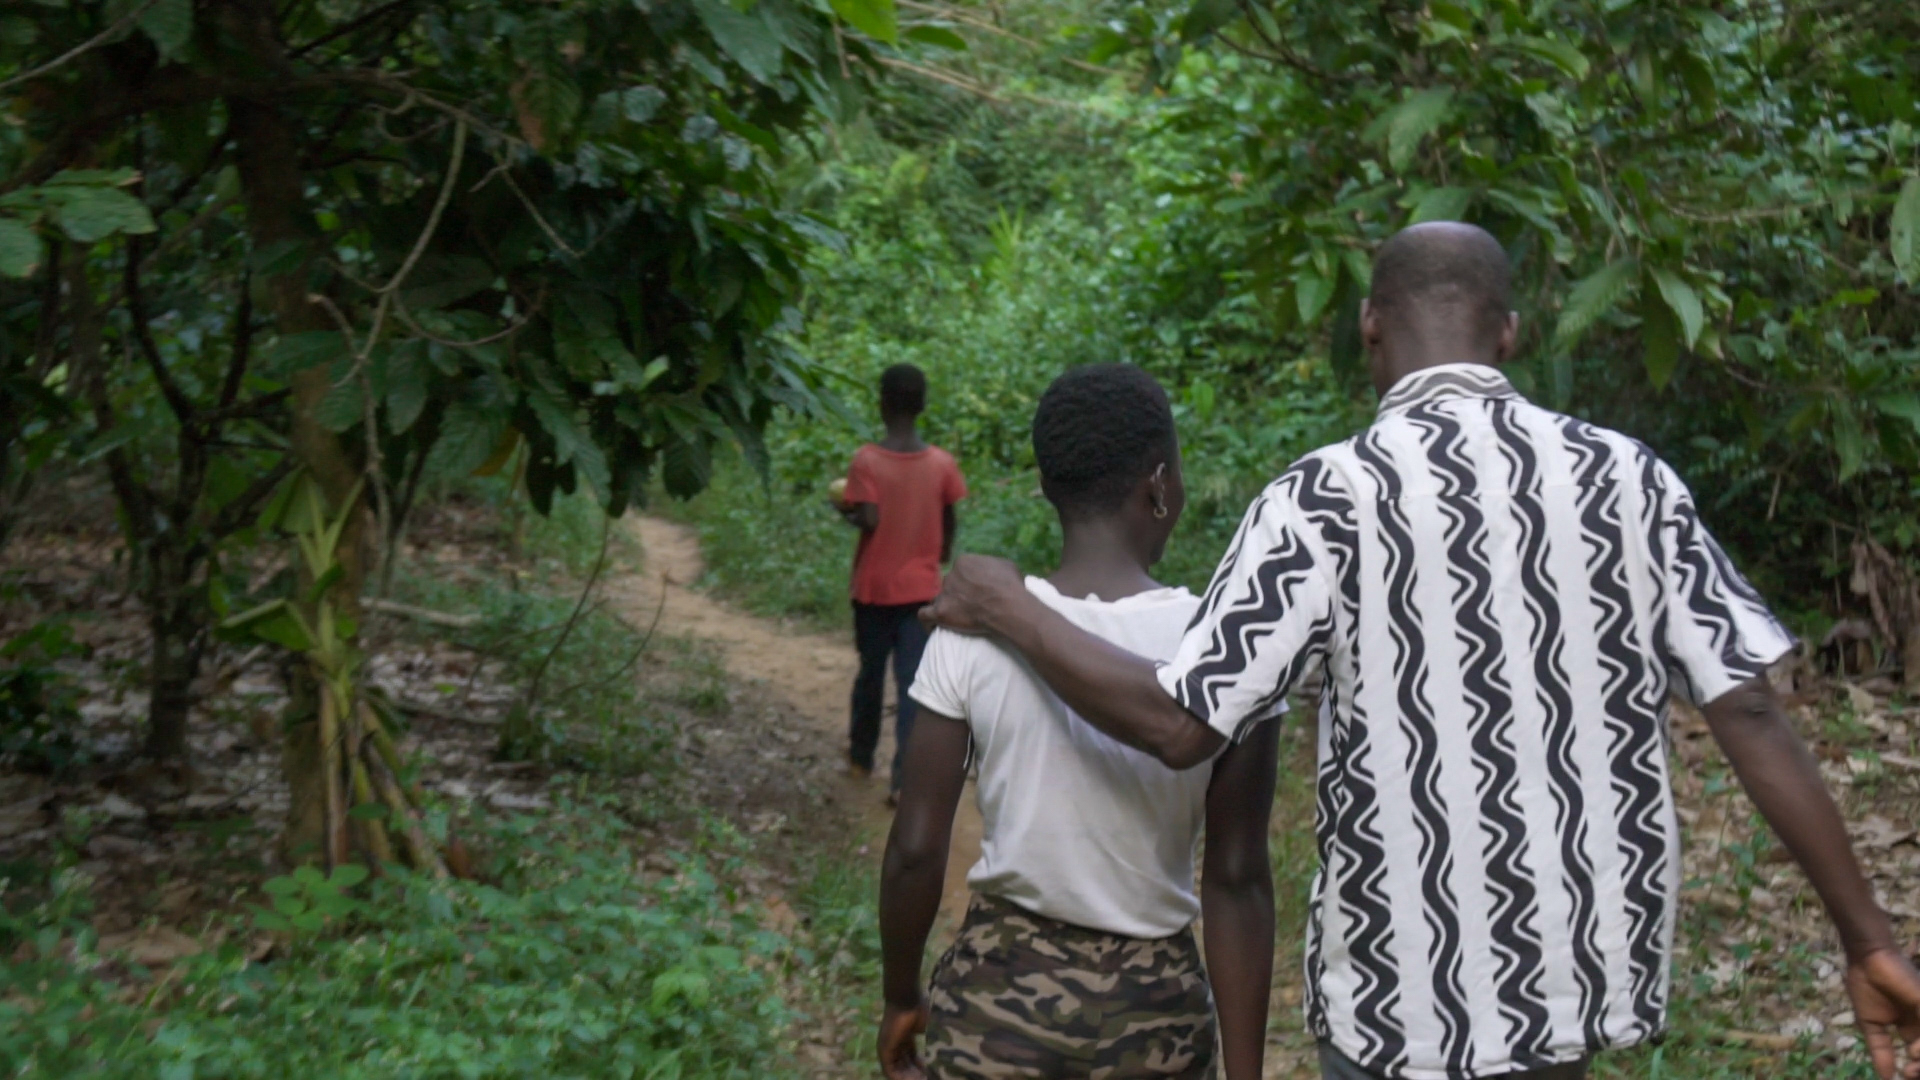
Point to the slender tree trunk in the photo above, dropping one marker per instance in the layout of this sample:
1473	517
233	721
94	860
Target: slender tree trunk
268	159
178	647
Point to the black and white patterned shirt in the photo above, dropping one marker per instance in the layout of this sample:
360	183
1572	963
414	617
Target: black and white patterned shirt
1502	597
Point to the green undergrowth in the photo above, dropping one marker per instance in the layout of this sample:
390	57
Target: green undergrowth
565	962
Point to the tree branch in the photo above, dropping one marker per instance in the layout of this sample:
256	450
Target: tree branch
242	343
81	49
352	27
177	399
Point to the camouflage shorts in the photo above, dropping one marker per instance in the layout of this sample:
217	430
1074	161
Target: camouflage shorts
1022	997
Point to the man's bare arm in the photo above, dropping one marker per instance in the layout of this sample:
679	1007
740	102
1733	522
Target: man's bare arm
1780	776
1113	689
949	529
1236	897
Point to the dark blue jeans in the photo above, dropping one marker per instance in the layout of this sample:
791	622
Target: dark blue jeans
880	630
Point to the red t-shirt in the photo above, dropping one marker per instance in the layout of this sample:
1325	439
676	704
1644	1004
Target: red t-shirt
899	561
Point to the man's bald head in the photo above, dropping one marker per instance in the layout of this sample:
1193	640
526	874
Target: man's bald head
1441	295
1443	273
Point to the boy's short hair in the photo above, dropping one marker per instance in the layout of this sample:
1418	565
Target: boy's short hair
1097	431
903	390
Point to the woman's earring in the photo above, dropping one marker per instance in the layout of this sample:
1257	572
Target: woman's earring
1159	509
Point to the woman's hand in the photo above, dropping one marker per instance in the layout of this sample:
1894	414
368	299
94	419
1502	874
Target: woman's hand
899	1056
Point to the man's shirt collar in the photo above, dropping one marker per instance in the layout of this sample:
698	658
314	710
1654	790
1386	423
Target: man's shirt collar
1445	382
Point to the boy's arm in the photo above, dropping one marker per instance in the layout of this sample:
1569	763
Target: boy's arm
949	528
912	876
1785	785
863	516
1236	897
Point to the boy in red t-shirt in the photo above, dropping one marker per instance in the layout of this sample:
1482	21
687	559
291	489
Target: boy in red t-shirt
900	494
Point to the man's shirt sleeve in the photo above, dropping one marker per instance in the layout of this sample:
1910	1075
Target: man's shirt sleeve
1715	631
1267	617
940	682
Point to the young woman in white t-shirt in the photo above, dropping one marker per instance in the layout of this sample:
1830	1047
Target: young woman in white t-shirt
1077	957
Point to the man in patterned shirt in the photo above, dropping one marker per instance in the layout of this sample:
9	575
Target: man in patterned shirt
1502	598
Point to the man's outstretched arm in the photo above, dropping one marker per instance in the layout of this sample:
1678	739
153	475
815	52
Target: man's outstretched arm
1236	897
1113	689
1785	785
911	878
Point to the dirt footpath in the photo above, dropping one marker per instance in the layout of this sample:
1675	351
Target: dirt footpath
811	673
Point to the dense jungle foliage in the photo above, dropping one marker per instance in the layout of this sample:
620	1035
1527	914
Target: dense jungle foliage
1713	210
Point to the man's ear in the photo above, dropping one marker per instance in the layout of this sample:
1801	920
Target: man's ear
1509	337
1369	324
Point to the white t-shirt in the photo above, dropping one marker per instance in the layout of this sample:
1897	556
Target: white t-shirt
1077	827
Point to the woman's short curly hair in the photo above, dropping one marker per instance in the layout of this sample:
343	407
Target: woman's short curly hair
1098	429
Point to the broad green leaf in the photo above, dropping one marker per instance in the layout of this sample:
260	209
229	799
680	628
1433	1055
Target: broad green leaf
1592	297
1441	204
1903	406
1904	231
298	352
343	407
370	811
640	103
571	443
170	24
90	214
1205	17
1848	439
1660	336
347	875
1570	60
1311	291
1683	302
1413	120
744	36
20	249
545	105
938	36
874	18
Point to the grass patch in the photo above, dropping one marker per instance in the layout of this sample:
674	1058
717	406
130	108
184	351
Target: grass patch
566	964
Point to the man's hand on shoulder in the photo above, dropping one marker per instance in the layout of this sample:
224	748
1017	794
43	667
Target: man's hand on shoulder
899	1027
975	594
1885	990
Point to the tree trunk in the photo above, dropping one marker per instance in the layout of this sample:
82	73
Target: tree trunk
178	646
268	161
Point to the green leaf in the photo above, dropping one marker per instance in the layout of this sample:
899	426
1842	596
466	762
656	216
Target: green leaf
1441	204
1904	231
1570	60
343	407
20	249
1206	17
1848	439
1413	120
275	621
170	24
347	875
744	36
571	443
1592	297
1311	292
298	352
1683	302
639	103
938	36
1660	335
370	811
1904	406
91	214
874	18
